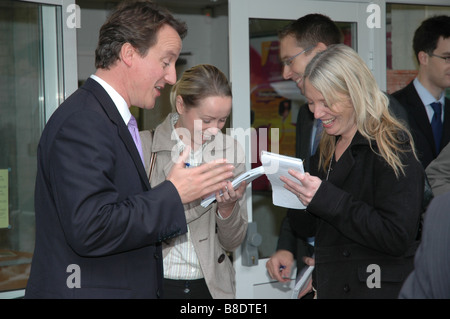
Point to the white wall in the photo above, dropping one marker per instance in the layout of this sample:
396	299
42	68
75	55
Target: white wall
87	37
405	20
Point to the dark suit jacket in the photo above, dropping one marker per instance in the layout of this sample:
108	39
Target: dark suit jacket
94	206
420	125
430	278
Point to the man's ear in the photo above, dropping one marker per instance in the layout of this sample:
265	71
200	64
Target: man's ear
127	53
321	46
423	58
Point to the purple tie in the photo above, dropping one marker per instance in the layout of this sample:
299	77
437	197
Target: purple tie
133	128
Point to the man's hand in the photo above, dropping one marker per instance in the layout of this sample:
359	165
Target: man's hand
280	264
196	182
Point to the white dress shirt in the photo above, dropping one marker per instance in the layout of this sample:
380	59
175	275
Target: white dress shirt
118	100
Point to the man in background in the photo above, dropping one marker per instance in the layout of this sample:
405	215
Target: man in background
424	97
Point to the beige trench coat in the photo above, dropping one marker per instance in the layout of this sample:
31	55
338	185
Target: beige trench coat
211	243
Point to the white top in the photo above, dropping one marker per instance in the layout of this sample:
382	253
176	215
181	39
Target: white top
182	262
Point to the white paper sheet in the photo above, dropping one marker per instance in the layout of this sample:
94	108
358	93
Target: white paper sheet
276	165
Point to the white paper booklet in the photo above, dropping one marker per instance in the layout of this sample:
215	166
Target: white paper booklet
248	176
276	165
302	280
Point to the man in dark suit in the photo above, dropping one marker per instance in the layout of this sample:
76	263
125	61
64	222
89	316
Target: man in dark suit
99	226
431	44
431	278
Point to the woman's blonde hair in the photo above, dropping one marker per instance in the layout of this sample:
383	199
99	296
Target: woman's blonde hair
340	75
199	82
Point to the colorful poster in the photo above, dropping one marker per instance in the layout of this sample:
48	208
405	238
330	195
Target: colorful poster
274	103
271	109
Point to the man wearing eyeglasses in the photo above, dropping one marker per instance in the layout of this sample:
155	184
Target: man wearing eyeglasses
300	41
424	98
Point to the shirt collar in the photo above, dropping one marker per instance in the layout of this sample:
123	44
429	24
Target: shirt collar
426	97
118	100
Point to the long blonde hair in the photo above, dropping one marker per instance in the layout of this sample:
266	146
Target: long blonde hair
340	72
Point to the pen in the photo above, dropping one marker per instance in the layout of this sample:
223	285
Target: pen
187	165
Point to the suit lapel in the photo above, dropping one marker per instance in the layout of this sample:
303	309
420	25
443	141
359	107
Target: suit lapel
419	114
111	111
344	166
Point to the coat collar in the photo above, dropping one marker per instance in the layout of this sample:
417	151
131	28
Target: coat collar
160	140
163	142
344	166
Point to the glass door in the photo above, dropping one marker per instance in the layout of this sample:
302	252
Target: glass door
32	84
265	104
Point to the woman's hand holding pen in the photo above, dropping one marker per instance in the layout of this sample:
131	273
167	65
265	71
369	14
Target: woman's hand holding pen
227	197
306	189
194	183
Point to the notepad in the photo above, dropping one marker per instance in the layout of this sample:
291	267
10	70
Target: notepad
248	176
273	165
303	277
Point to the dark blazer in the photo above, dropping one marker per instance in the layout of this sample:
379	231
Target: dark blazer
431	278
420	125
362	215
94	206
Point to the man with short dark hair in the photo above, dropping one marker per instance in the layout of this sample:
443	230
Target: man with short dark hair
424	97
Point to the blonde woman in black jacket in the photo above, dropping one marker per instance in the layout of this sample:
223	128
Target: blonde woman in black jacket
364	191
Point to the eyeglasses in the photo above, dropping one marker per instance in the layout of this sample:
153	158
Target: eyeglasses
288	62
445	58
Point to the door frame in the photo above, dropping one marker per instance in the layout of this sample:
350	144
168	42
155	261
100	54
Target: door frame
69	44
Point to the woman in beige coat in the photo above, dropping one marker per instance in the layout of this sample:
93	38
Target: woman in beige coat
196	265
